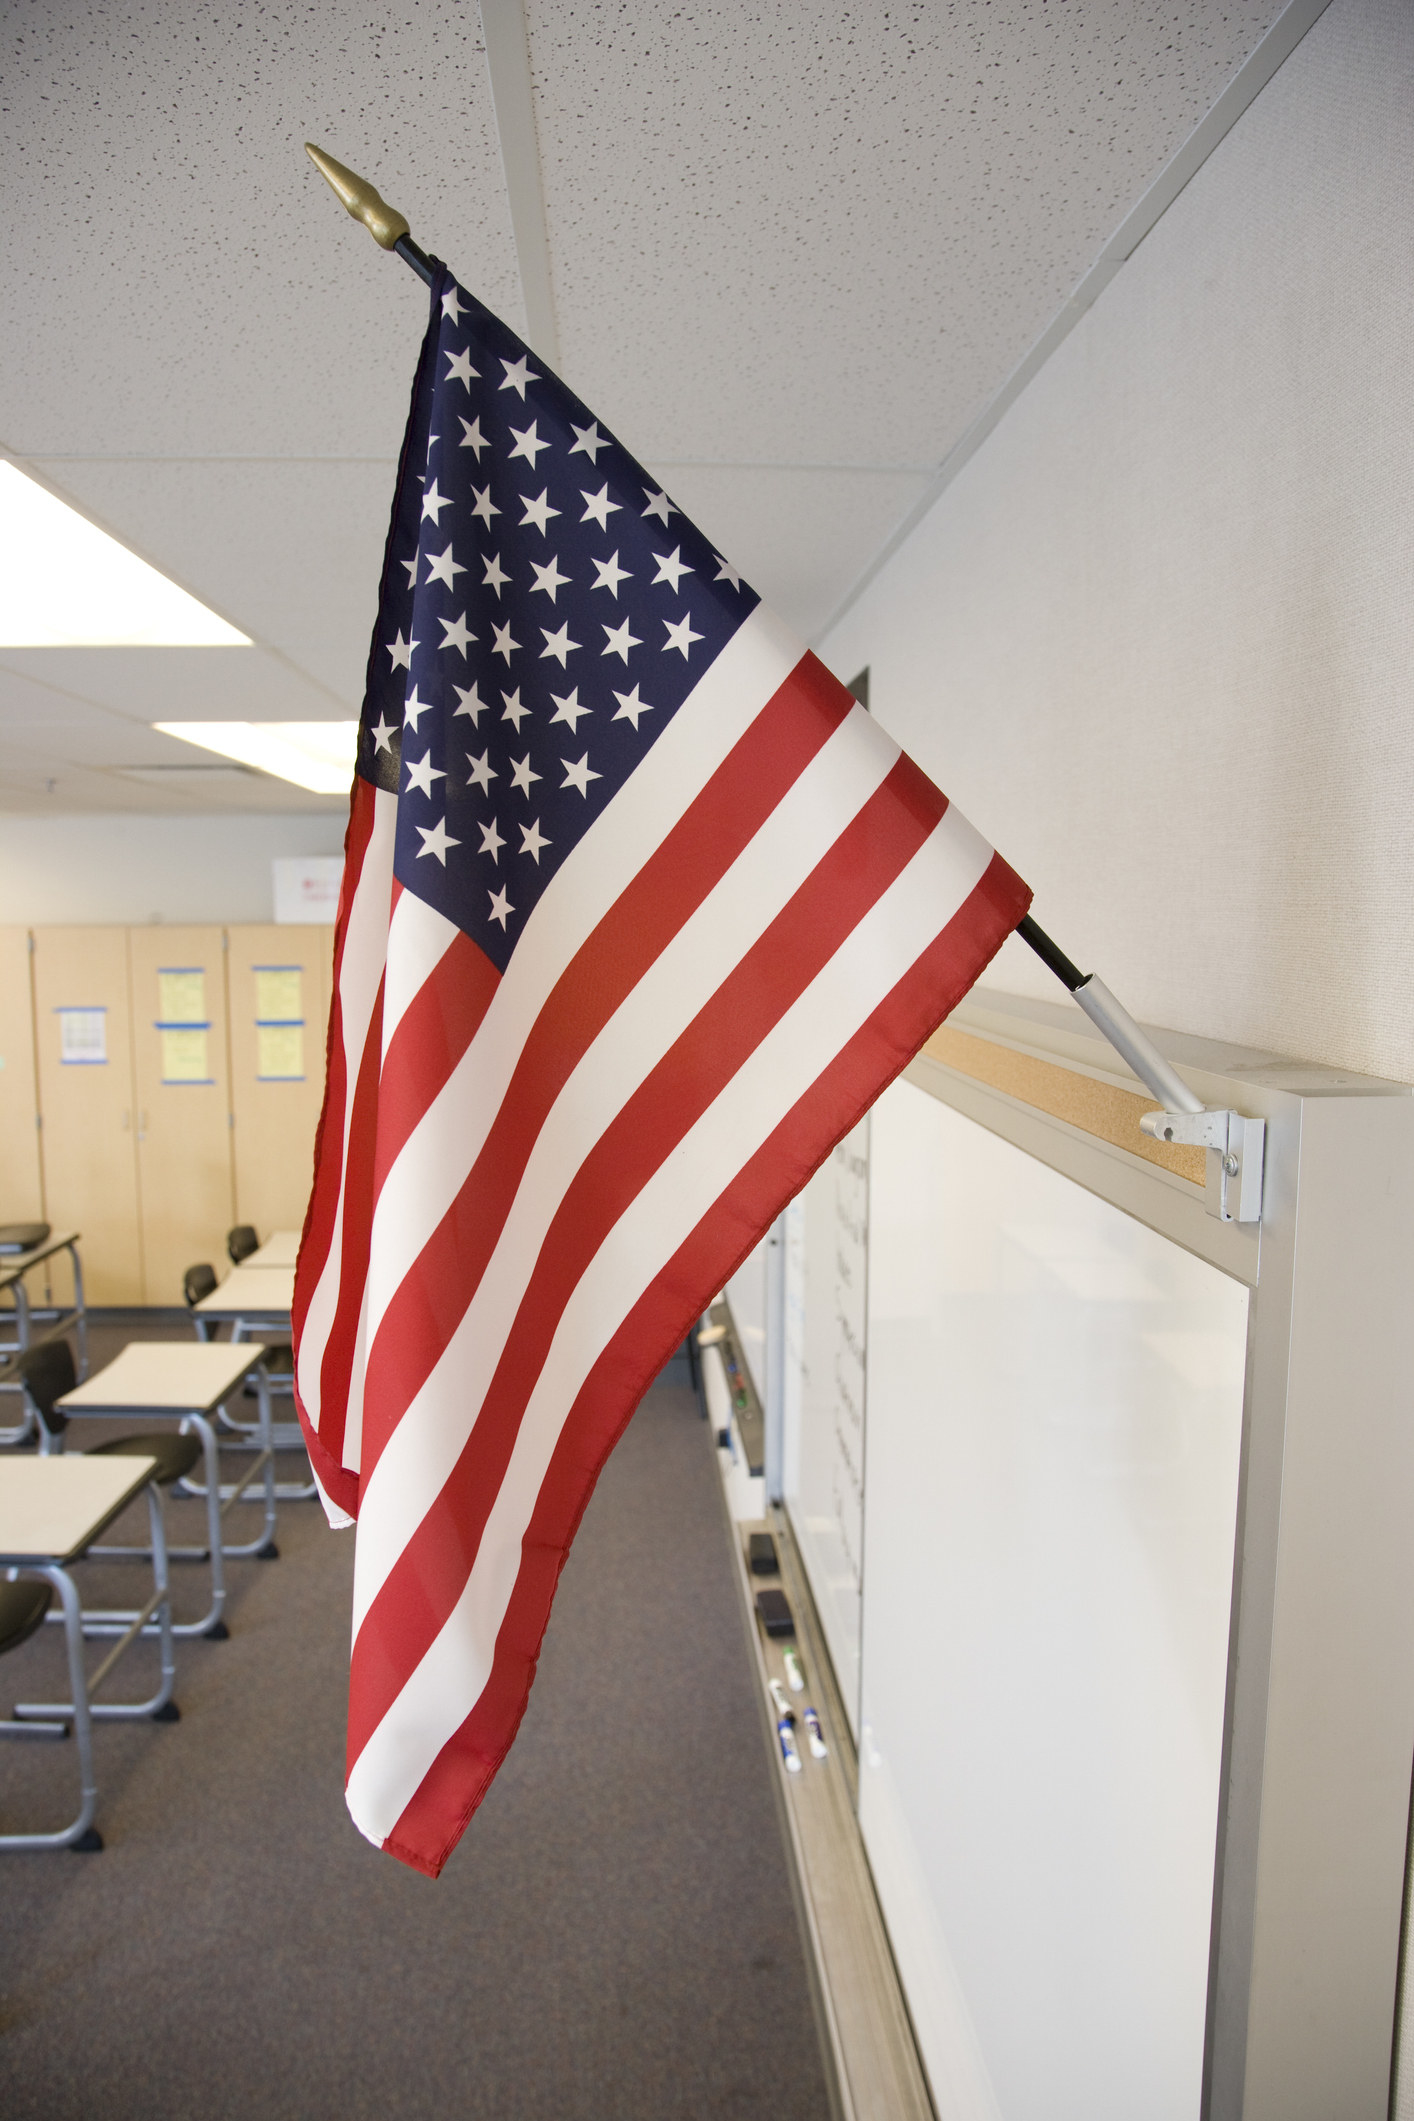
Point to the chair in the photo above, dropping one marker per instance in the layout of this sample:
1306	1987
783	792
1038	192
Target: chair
47	1373
241	1241
198	1282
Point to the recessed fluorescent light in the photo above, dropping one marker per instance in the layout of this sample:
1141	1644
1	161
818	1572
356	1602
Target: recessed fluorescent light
64	583
315	755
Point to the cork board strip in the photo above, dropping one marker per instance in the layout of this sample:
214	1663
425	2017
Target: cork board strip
1112	1115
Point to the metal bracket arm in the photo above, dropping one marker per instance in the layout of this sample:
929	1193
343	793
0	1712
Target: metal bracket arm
1235	1146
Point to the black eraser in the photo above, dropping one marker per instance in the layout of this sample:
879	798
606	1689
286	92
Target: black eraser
775	1612
761	1554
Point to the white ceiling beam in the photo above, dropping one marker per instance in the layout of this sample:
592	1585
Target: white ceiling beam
508	63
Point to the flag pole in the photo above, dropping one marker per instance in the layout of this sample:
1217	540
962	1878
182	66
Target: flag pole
1184	1117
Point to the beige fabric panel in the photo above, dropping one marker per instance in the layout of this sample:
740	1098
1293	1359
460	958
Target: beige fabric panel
279	987
183	1101
21	1181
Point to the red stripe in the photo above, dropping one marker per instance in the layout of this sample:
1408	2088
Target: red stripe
430	1574
432	1034
437	1288
322	1212
436	1816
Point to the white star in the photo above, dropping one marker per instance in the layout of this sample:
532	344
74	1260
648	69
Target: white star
413	708
441	567
671	568
680	636
382	734
589	440
401	652
610	575
568	709
538	511
598	507
411	566
579	776
422	773
456	632
522	775
433	503
631	707
503	644
491	842
500	907
484	506
620	640
528	443
437	841
461	369
451	307
726	572
549	578
472	437
481	772
515	713
469	701
660	506
558	644
518	374
532	839
495	577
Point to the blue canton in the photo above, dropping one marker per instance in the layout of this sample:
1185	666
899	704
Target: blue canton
545	611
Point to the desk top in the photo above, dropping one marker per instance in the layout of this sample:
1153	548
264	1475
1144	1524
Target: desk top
165	1377
50	1508
280	1249
14	1264
251	1292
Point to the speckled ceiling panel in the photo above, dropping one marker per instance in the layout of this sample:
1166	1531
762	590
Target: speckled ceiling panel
826	234
174	276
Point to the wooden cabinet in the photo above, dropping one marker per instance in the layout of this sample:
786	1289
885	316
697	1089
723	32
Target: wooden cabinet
279	988
21	1183
182	1079
83	1024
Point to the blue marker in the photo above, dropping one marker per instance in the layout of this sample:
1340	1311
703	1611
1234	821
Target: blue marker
813	1732
788	1748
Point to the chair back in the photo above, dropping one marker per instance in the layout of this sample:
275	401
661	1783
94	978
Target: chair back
198	1282
47	1373
241	1242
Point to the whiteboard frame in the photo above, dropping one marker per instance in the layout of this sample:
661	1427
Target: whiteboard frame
1319	1724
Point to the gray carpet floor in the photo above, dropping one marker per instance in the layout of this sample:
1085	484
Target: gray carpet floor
615	1935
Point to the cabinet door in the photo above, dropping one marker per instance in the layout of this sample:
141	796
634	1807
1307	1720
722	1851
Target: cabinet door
183	1102
279	1009
89	1139
21	1188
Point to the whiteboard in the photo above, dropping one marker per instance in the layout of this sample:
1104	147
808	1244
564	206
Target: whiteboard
1054	1424
825	1298
746	1294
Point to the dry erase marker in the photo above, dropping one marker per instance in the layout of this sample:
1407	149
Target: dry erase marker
816	1736
794	1672
788	1749
778	1695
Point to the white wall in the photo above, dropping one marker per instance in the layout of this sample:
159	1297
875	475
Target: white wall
1157	638
135	869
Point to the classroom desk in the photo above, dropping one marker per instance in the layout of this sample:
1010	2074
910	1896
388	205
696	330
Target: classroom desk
258	1297
51	1511
280	1249
14	1266
186	1381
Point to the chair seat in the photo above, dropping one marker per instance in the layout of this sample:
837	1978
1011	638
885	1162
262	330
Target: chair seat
22	1608
175	1455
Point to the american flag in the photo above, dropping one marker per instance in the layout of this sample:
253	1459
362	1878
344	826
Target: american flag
640	913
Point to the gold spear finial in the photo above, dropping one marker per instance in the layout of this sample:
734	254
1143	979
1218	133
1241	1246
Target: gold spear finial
384	223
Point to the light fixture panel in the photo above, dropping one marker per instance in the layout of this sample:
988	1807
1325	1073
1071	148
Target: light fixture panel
315	755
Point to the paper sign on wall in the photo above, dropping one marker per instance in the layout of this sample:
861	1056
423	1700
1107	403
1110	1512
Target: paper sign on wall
181	995
278	999
279	1053
83	1037
184	1053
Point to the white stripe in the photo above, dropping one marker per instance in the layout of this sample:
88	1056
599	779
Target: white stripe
777	860
360	969
864	970
419	937
423	1183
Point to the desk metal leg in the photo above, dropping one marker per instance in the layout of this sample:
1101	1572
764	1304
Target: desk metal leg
82	1832
98	1621
21	1430
80	1312
159	1706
